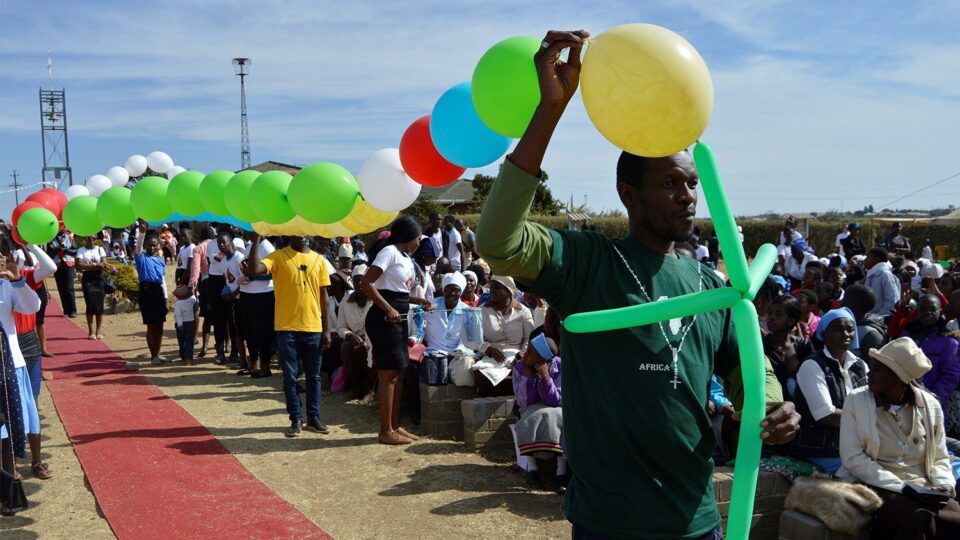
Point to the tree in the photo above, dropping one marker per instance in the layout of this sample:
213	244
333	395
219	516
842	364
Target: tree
423	207
543	201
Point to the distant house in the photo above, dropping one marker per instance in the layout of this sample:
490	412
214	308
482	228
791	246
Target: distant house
456	197
276	166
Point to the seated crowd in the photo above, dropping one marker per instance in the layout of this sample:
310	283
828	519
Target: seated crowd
863	341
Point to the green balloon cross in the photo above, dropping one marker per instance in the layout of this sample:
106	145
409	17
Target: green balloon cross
745	281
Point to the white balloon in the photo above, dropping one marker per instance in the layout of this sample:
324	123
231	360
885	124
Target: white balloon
97	184
136	165
76	190
384	184
175	171
118	176
159	162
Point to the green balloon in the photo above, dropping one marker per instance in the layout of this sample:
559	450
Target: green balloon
149	199
38	226
184	193
211	192
721	214
323	192
237	196
661	310
505	87
114	208
760	269
80	216
752	370
268	197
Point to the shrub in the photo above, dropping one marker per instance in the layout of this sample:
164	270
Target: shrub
125	276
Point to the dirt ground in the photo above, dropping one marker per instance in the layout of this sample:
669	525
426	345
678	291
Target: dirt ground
345	482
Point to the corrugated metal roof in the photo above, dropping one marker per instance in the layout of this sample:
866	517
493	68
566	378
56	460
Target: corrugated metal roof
578	217
460	191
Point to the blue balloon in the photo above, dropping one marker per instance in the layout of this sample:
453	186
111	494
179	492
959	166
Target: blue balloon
460	135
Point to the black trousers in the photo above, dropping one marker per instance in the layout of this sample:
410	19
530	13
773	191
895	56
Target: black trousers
66	278
221	312
256	321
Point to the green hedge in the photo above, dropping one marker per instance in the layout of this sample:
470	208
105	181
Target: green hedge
758	232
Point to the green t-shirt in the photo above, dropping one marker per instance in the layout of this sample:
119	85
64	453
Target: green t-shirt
640	449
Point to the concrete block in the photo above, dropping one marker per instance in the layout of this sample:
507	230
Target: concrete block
771	504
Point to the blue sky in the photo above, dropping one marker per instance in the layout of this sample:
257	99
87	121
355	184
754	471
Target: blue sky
818	105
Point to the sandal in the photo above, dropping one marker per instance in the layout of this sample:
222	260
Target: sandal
41	471
244	371
202	353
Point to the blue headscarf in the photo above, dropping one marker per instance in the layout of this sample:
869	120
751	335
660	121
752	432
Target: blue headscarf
839	313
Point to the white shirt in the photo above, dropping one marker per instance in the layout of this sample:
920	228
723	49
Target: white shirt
796	269
217	268
782	248
186	253
258	286
93	255
453	252
813	384
702	252
352	318
397	270
20	259
838	242
183	310
16	296
927	253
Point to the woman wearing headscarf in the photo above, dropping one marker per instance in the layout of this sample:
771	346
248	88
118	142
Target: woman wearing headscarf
388	283
929	331
892	439
507	325
537	387
823	382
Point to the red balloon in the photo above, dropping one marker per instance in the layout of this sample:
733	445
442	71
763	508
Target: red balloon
16	236
46	200
422	161
21	208
59	196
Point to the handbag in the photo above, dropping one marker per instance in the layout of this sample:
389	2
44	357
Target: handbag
13	498
109	285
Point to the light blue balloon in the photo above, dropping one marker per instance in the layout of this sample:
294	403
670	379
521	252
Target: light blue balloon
459	134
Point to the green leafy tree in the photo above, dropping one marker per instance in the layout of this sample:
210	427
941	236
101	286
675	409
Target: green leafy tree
423	207
543	201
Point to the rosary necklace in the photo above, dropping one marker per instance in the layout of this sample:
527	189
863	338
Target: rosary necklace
675	351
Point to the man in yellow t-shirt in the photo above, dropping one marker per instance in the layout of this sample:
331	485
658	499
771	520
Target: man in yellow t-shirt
300	281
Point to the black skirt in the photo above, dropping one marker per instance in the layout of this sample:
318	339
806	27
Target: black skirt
44	297
153	305
389	339
92	285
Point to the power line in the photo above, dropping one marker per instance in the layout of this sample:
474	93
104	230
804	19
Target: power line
16	186
919	190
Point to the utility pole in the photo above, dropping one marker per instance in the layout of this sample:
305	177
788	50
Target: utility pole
16	186
241	67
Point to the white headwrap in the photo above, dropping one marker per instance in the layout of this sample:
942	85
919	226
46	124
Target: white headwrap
454	278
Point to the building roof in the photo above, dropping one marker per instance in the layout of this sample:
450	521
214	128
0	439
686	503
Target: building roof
458	192
276	166
578	217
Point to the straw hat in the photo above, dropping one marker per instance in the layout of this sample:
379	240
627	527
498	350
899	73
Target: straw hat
904	358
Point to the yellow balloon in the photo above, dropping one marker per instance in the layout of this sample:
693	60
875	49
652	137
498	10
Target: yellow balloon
365	218
333	230
646	89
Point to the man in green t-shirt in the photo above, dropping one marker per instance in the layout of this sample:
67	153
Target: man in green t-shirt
638	436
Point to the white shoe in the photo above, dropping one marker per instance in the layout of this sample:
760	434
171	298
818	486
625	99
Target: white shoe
156	361
91	336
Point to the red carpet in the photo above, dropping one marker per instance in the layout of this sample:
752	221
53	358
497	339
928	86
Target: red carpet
128	436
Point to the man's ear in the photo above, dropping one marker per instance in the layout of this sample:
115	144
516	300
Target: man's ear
628	194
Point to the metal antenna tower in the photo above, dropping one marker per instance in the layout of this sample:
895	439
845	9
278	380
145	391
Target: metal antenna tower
53	133
241	67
